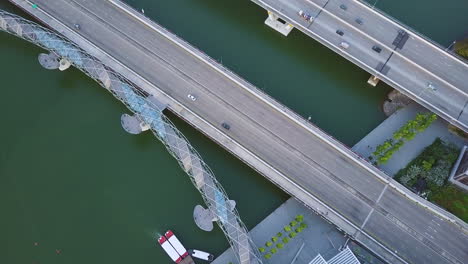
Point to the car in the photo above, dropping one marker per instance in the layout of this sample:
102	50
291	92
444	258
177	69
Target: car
77	26
225	125
344	45
192	97
359	21
377	48
305	16
339	32
431	86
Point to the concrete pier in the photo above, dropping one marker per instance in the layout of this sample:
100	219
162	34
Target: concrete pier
373	80
276	23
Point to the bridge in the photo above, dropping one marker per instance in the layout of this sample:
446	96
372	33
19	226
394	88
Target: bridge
288	150
387	49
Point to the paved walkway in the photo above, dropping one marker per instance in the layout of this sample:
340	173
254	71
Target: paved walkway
412	148
319	237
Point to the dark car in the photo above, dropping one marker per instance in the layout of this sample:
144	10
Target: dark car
225	125
340	32
377	48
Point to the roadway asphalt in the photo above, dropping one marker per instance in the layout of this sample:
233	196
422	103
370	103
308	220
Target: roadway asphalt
411	69
415	233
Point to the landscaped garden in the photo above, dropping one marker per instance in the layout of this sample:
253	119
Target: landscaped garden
282	238
461	48
407	132
428	175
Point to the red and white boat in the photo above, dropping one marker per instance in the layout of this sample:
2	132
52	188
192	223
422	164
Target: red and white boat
176	244
169	249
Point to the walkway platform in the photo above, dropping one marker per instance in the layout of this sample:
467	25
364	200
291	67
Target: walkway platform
320	237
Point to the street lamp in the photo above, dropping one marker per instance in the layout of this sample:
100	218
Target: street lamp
451	45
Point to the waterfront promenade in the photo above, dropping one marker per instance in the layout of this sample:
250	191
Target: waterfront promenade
285	148
385	48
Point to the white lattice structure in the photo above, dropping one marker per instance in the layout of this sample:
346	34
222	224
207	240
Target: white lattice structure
149	111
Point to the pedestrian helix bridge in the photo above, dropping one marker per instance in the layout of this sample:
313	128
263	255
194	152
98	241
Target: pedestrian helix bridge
148	112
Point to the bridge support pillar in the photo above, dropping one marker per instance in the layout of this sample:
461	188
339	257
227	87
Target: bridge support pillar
52	62
373	80
133	124
278	24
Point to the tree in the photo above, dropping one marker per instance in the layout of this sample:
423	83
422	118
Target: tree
412	173
274	239
293	223
461	47
268	244
279	234
438	175
279	245
261	249
273	250
292	234
268	256
287	228
286	240
303	225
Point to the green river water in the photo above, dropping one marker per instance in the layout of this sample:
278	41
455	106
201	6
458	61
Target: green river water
71	179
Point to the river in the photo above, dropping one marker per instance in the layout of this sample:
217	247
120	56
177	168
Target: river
72	180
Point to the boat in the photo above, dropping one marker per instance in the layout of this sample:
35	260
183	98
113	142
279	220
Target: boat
176	244
201	255
169	249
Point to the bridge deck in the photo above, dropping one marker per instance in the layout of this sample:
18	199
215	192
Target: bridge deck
304	163
410	68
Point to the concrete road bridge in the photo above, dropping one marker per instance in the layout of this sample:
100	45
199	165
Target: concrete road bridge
387	49
288	150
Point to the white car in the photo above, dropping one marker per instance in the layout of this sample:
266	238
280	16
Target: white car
192	97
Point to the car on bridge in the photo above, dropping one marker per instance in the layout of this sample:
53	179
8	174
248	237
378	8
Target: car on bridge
305	16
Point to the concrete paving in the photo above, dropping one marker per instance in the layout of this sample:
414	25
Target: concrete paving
415	67
319	237
292	153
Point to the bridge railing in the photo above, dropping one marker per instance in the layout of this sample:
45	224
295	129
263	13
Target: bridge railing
414	31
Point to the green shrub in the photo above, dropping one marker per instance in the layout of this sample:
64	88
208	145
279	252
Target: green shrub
298	230
410	177
286	240
279	245
292	234
268	256
261	249
279	234
303	225
273	250
293	223
274	239
287	228
268	244
299	218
